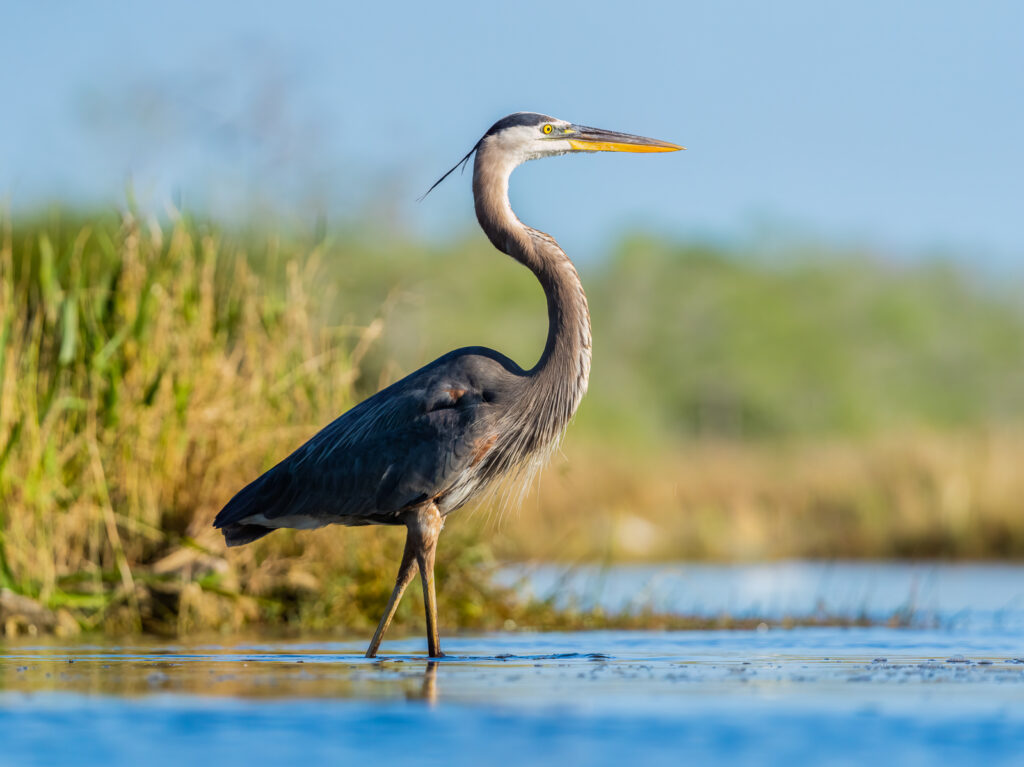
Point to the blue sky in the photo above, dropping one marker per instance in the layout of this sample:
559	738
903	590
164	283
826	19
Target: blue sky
899	126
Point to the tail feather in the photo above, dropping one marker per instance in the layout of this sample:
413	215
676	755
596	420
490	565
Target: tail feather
237	535
259	496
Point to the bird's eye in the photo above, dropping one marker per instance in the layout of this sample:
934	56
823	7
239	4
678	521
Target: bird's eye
548	128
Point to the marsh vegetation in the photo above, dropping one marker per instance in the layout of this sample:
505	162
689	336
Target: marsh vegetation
743	406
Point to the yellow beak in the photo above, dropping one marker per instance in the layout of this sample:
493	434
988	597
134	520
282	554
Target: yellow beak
584	139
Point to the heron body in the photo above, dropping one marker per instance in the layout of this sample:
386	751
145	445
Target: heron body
427	444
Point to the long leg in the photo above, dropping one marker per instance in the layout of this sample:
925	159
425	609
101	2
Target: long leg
406	572
424	527
427	526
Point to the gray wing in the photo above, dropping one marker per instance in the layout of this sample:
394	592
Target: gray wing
409	443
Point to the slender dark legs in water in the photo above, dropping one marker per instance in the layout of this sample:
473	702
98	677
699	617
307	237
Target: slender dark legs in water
424	526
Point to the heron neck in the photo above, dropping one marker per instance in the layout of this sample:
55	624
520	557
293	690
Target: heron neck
564	366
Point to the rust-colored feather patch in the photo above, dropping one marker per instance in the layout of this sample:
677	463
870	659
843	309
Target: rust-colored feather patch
482	447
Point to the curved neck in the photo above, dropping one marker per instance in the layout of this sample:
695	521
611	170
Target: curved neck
565	363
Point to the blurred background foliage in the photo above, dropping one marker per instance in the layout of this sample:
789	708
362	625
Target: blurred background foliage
697	342
743	405
756	393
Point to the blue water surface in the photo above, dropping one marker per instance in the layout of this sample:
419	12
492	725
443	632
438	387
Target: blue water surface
945	691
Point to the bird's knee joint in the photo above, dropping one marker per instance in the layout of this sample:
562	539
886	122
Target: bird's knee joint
424	524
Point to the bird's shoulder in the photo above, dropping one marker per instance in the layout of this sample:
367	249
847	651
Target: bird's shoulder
430	417
461	379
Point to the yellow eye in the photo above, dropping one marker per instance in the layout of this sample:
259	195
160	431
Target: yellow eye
548	128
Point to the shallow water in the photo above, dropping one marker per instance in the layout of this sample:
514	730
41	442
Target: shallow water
951	691
964	595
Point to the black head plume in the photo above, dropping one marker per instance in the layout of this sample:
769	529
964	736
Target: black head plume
461	162
511	121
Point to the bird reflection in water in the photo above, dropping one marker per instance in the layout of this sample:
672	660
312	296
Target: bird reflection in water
428	688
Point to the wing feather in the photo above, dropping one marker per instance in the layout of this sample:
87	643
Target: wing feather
408	443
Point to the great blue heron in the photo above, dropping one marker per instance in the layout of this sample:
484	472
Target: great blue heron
424	446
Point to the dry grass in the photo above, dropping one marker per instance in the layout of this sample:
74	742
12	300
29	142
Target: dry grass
932	495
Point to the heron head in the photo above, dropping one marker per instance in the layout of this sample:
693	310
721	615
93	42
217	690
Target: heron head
528	135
